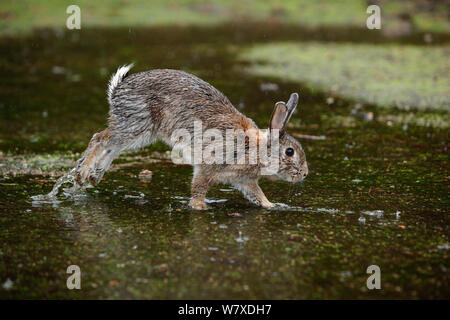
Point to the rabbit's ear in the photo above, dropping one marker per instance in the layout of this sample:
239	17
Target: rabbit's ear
291	105
279	116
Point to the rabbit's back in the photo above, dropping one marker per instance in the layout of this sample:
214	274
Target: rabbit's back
164	100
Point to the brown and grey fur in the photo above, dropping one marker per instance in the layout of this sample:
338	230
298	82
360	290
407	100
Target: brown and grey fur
150	106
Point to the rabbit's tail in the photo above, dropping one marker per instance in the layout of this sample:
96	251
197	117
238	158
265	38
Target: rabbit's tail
117	78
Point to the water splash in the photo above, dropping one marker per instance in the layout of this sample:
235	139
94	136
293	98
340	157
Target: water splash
371	213
68	192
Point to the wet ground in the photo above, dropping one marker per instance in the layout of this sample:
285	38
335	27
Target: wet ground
377	192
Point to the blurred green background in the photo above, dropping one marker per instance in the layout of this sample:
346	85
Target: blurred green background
400	16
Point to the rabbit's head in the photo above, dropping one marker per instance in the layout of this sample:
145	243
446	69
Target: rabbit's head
292	159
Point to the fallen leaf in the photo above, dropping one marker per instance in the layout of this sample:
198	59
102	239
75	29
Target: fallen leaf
235	215
113	283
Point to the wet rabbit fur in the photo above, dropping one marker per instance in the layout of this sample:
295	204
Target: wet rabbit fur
150	106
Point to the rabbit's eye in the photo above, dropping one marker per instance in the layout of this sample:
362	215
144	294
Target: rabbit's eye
289	152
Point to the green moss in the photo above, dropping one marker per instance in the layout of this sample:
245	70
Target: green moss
386	75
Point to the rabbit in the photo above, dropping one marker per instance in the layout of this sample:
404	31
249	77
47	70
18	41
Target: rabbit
149	106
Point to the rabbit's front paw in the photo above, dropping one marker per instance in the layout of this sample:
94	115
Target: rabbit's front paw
86	174
198	204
